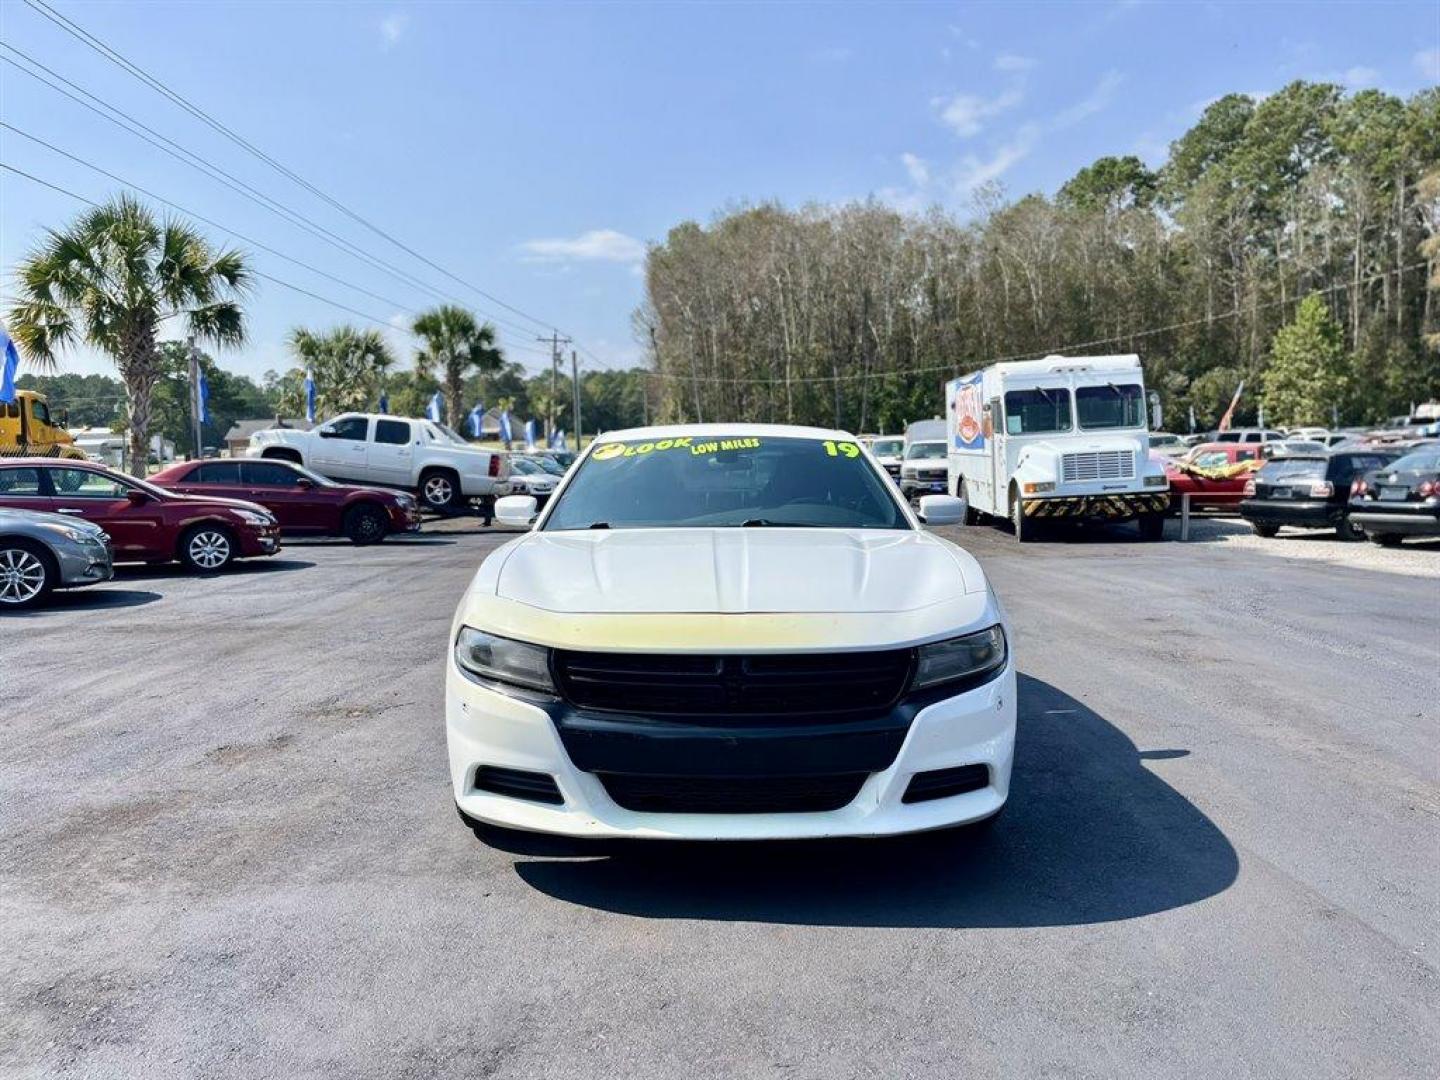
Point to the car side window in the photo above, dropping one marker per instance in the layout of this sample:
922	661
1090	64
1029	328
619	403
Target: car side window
392	432
269	474
348	427
84	484
215	472
1246	454
20	482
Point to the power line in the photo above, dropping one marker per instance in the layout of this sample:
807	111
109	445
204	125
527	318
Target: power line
289	215
99	46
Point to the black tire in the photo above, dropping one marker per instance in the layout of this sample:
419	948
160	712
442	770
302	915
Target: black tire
440	490
207	548
27	574
366	523
1024	530
292	456
1152	526
972	516
1385	539
1347	530
1266	531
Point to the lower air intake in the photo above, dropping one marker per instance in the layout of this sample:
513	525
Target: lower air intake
732	794
518	784
942	783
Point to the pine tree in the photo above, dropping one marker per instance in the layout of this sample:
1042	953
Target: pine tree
1307	373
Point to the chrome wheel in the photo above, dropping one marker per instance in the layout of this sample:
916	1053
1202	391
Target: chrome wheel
209	549
22	576
439	491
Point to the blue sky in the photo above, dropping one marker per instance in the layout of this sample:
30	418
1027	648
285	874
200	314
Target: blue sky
533	150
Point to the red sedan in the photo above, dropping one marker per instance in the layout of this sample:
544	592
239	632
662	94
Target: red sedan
146	523
1213	474
305	503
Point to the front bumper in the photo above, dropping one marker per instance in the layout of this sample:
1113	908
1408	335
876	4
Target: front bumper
913	487
486	727
1301	513
404	518
1115	507
255	542
84	564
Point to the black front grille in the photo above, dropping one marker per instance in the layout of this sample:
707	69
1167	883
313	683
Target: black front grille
732	794
942	783
518	784
673	684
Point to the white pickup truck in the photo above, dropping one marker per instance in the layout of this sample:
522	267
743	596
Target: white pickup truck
416	455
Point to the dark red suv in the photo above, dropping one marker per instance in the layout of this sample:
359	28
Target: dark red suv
146	523
305	503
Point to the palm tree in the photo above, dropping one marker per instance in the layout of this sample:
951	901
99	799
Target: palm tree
112	280
455	345
348	366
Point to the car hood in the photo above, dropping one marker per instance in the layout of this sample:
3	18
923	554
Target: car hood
735	571
40	517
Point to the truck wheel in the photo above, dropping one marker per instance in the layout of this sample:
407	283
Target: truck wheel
1152	526
1266	531
1023	528
440	490
292	456
27	574
972	516
366	524
207	548
1385	539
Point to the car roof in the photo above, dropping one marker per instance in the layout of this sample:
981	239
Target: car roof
724	431
64	463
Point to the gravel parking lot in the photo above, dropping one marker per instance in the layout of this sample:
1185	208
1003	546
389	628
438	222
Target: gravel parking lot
229	847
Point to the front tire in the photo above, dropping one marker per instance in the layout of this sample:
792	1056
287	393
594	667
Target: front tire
1385	539
440	490
1348	530
207	548
1023	529
366	524
27	574
1267	531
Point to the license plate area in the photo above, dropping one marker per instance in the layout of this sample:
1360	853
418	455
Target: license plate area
1394	494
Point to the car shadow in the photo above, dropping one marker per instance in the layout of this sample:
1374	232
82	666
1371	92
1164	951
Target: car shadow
91	599
1091	835
239	568
300	543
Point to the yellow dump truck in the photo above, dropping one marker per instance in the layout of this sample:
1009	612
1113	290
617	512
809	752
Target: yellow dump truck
28	429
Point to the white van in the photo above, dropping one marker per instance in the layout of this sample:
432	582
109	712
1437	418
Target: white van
1059	438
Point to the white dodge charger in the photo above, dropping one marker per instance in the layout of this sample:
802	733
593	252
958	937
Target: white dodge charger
729	632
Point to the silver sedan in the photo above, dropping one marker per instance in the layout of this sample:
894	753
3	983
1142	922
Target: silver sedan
41	552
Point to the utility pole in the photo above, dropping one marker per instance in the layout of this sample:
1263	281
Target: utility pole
555	341
195	394
575	385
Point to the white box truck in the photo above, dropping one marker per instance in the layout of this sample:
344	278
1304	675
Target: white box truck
1059	439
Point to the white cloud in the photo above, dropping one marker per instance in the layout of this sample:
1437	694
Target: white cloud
1359	76
965	114
1427	62
975	172
917	167
597	245
392	29
1097	100
1008	61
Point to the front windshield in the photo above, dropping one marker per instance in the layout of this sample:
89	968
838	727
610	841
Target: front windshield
697	481
524	467
887	447
550	465
316	478
925	451
1110	406
1040	410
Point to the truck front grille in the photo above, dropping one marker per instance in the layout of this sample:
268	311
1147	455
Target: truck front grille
675	684
1097	465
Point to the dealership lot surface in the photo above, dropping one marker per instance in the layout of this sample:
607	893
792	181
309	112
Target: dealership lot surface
228	847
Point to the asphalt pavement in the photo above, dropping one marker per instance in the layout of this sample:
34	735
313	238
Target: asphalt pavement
228	848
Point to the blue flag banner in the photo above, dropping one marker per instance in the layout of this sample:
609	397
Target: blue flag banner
8	367
505	433
309	399
202	392
432	411
477	416
384	402
529	434
557	439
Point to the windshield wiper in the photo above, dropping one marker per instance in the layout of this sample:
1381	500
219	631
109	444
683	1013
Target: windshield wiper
766	523
598	525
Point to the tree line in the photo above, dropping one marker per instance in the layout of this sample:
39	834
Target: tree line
854	315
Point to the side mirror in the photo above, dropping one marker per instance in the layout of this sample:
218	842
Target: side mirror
515	510
942	510
136	497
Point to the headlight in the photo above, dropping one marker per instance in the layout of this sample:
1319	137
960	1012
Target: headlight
75	536
1039	488
1155	481
965	657
490	660
250	517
